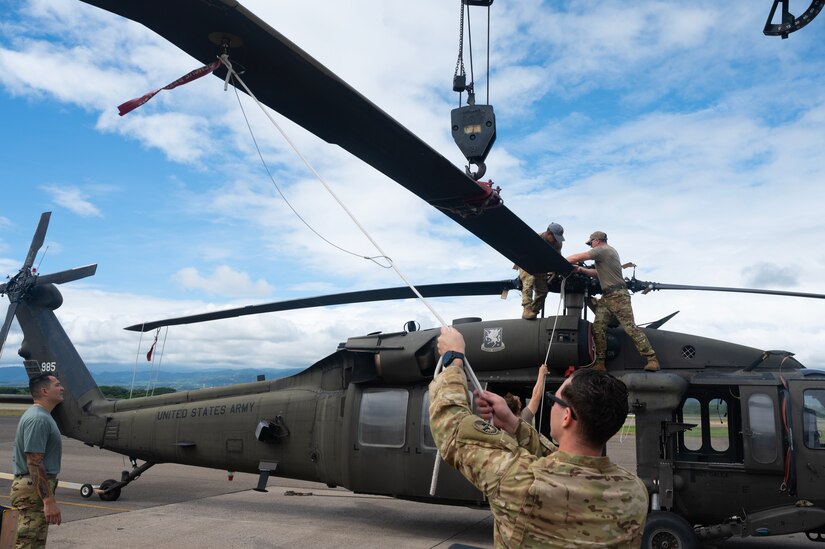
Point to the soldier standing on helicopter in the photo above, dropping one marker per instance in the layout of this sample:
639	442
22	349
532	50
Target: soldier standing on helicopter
534	286
615	300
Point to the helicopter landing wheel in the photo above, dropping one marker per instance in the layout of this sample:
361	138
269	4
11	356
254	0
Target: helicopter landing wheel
665	530
109	496
87	490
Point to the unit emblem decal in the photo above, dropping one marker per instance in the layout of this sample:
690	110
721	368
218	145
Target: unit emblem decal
493	340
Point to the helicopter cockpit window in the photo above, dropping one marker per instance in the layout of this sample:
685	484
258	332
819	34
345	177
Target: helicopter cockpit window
813	418
763	428
383	418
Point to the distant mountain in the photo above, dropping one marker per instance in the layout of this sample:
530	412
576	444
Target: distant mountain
181	379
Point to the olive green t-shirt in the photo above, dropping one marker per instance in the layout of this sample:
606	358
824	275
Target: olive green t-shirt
37	433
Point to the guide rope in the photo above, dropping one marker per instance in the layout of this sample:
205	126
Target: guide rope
225	60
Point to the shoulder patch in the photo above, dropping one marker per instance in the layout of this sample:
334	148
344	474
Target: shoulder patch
486	428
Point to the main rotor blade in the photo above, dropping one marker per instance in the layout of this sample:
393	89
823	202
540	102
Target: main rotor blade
37	241
68	275
455	289
4	331
289	80
644	287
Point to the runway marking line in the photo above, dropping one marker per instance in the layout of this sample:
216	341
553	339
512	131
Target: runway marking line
71	486
64	502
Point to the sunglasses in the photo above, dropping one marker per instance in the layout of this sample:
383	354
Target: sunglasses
560	402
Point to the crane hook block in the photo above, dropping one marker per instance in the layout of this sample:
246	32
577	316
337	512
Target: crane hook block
484	3
474	131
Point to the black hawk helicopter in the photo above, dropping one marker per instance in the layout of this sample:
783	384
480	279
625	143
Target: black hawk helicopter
358	417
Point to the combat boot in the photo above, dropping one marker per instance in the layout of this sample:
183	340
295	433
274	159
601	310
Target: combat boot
652	364
528	314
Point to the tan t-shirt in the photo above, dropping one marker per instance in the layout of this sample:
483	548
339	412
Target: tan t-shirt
608	266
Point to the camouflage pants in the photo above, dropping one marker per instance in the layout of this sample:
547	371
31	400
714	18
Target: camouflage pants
31	526
533	290
616	305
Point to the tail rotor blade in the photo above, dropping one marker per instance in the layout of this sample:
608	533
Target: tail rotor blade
39	238
7	325
68	275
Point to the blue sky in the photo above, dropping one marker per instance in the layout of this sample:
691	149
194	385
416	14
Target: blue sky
693	140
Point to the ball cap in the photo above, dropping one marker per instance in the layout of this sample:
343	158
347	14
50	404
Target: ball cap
557	230
598	235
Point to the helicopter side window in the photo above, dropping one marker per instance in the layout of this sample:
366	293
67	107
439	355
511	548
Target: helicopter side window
383	418
813	418
711	435
692	413
763	428
719	431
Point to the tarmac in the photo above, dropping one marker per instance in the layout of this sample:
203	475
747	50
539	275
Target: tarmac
181	507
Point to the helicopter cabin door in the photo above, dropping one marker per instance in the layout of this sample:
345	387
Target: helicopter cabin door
391	449
807	404
762	428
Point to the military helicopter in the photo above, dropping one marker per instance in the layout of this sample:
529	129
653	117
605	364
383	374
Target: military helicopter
358	417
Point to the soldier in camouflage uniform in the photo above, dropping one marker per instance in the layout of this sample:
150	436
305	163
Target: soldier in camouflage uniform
541	496
534	287
615	300
36	464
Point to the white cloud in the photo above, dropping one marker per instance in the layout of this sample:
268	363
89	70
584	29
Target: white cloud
224	281
73	199
763	274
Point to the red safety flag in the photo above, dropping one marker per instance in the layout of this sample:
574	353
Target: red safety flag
129	106
152	348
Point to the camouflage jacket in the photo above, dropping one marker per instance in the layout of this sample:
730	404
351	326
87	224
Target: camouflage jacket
539	496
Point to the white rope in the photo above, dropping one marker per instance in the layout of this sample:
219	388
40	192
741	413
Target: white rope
549	345
477	386
134	370
154	371
225	60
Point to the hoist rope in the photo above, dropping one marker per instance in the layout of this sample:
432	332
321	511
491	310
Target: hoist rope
488	54
459	63
470	44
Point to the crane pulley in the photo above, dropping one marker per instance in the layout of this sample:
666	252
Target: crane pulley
473	125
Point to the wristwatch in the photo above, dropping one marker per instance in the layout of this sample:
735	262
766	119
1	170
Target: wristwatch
450	356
